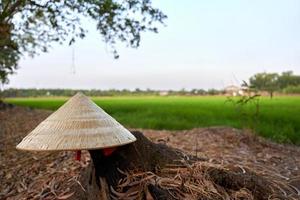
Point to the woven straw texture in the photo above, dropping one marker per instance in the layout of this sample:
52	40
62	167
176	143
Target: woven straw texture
78	124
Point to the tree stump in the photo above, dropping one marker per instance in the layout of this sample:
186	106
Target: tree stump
142	155
105	172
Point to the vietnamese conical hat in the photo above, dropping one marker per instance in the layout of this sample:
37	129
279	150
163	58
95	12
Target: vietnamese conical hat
78	124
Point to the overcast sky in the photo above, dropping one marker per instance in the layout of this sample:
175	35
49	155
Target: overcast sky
206	44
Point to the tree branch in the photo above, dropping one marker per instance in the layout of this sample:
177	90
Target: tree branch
11	10
4	11
39	5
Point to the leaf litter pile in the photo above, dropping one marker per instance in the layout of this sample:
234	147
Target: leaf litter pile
233	164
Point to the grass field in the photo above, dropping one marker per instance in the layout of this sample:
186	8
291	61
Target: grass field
278	119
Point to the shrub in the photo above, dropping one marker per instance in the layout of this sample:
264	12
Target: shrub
292	89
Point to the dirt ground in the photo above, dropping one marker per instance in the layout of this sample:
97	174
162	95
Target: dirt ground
27	175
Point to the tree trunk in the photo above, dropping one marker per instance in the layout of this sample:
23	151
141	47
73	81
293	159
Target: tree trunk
271	94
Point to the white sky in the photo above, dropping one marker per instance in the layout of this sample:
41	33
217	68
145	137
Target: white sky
206	44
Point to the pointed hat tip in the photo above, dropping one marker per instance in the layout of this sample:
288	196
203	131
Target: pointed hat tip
79	94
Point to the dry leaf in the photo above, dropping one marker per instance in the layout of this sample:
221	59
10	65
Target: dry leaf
66	196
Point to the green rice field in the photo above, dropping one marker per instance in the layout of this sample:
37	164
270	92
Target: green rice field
278	118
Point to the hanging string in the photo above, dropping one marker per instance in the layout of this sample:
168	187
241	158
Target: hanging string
73	69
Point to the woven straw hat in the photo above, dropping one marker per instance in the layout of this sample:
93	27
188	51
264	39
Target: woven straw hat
78	124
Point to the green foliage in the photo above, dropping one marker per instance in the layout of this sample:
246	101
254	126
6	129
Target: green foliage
278	119
247	108
292	89
272	82
287	79
265	81
9	53
30	26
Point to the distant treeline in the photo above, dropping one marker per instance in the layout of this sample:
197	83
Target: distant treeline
13	92
284	83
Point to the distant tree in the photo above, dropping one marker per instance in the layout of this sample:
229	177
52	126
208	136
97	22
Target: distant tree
197	92
137	90
292	90
265	81
213	92
287	79
201	92
29	26
194	91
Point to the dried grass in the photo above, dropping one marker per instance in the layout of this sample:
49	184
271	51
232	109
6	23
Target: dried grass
195	182
224	150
